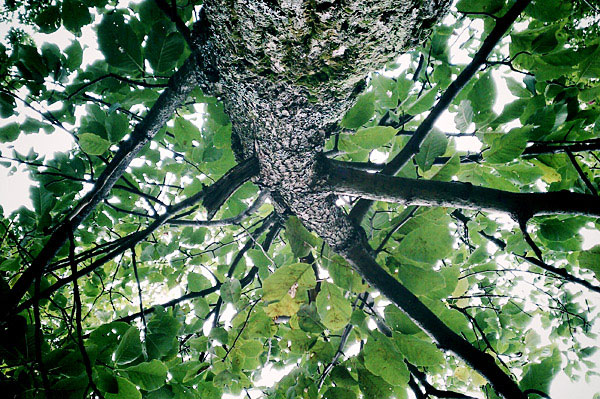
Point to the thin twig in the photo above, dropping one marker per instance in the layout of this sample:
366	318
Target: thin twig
139	286
77	303
581	173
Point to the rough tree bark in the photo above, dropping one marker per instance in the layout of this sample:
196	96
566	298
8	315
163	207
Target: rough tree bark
287	72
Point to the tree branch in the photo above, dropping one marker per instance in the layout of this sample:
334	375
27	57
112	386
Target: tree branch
179	86
582	174
77	304
414	144
446	339
234	178
535	261
521	206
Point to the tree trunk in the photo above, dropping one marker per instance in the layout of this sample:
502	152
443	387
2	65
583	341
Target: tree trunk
287	72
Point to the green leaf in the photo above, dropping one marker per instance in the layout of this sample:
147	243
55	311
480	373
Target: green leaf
93	144
386	92
43	200
231	291
119	43
117	126
549	10
373	386
418	351
341	272
590	260
427	244
74	55
339	393
539	375
511	112
507	146
149	375
464	116
130	347
560	230
284	289
300	239
448	170
48	19
185	131
483	94
278	284
423	103
162	335
480	6
10	265
517	89
590	66
7	105
308	319
126	390
9	132
75	15
197	282
383	359
399	321
360	113
186	371
433	146
420	281
373	137
163	47
334	309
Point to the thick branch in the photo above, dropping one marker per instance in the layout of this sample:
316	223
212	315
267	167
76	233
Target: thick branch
521	206
179	86
413	145
446	339
234	178
433	391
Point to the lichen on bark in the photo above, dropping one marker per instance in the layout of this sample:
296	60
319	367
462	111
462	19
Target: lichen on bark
287	72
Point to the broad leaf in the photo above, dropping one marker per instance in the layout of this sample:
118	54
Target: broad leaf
119	44
130	347
360	113
418	351
93	144
163	47
125	390
383	359
373	137
433	146
149	375
334	309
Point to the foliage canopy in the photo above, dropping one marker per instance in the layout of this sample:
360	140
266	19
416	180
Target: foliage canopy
159	263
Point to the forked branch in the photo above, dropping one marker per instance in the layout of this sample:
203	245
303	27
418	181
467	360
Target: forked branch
414	144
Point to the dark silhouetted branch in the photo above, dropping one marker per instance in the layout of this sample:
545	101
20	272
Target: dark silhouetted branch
414	144
521	206
362	261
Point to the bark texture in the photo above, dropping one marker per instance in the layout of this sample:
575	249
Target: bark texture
288	70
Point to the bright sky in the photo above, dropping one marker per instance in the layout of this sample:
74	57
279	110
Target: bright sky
14	185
